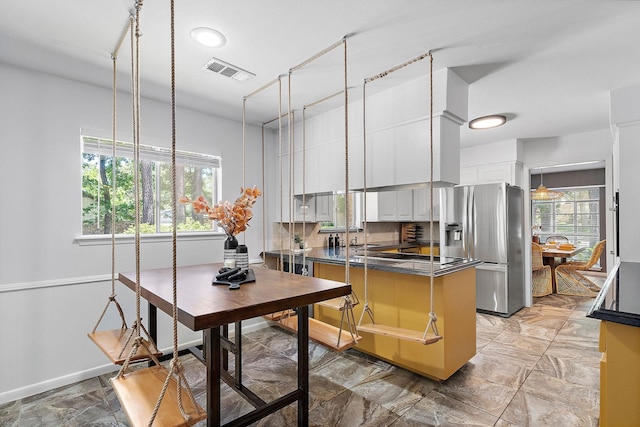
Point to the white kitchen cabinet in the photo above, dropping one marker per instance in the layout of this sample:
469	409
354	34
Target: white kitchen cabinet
324	207
391	206
422	204
509	172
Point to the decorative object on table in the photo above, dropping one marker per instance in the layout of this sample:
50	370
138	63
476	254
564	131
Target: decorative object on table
242	257
234	277
232	218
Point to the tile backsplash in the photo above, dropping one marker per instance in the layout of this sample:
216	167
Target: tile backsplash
377	232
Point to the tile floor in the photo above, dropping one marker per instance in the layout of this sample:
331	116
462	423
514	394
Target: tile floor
539	367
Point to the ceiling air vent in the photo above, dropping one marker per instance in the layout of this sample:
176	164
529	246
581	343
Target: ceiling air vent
220	67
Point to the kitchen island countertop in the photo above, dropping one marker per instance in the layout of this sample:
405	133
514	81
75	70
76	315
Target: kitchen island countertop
377	259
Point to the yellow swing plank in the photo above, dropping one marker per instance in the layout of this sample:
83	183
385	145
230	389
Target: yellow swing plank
138	393
323	333
113	341
400	333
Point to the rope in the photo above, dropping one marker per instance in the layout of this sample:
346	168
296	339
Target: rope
136	155
305	272
291	175
365	309
112	297
176	366
397	67
244	166
432	315
318	55
264	207
347	204
135	68
281	174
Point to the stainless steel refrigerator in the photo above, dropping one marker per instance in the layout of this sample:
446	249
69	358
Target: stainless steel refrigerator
485	222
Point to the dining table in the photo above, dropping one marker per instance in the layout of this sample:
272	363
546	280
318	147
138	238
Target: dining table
205	304
553	256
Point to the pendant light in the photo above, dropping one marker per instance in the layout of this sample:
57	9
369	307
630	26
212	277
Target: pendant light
543	193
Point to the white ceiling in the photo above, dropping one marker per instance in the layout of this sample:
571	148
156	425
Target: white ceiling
548	65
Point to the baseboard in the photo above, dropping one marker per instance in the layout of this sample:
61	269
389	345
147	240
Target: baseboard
41	387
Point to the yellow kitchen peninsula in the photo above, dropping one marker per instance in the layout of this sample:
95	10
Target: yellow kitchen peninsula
403	300
399	296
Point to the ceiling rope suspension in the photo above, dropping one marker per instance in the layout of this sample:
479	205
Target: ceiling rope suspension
373	327
144	394
116	344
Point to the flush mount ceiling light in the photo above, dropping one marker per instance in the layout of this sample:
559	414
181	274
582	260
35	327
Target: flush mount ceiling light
208	37
487	122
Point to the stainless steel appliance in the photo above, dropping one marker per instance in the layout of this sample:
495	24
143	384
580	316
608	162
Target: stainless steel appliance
485	222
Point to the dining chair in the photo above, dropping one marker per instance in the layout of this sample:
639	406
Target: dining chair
540	273
570	280
557	239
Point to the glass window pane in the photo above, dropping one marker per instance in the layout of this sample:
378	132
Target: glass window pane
198	177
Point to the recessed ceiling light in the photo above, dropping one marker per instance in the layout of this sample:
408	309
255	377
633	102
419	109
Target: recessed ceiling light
208	37
487	122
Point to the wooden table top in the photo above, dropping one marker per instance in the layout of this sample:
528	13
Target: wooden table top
202	305
560	253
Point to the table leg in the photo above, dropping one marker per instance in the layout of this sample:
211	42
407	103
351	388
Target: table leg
303	365
153	327
212	348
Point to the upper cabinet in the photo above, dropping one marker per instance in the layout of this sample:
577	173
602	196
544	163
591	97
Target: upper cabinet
509	172
394	206
422	204
397	137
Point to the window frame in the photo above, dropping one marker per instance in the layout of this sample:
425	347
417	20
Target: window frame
575	235
160	157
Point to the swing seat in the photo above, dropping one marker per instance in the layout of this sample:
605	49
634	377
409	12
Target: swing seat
322	333
113	343
400	333
274	317
338	303
138	393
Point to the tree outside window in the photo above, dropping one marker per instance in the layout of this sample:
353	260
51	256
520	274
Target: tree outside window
196	174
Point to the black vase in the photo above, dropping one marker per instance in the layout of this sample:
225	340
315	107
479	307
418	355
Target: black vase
231	242
230	245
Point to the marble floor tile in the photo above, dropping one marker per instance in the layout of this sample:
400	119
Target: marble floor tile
494	370
437	409
539	367
478	392
533	345
578	397
348	409
572	369
528	410
395	389
587	328
532	330
544	316
508	354
556	300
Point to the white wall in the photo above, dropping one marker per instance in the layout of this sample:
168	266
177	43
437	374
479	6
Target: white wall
53	289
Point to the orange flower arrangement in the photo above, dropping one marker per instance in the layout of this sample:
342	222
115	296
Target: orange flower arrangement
233	218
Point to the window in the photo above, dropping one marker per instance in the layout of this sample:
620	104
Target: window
576	216
195	174
340	221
